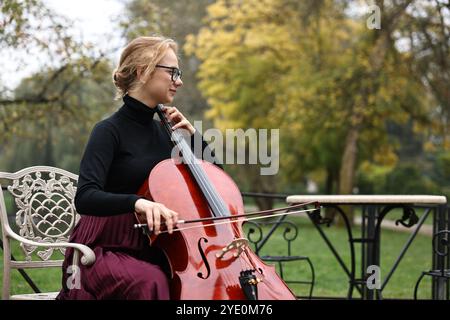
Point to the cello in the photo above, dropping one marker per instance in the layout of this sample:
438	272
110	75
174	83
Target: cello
212	261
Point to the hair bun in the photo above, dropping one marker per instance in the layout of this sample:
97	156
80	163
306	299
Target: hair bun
140	52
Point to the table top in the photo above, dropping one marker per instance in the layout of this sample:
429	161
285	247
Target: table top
368	199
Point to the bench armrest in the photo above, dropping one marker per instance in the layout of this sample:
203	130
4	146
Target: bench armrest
87	258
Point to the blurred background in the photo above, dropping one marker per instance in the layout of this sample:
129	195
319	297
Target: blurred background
360	90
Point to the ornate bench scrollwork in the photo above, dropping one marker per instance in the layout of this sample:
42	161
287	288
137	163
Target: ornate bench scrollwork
45	217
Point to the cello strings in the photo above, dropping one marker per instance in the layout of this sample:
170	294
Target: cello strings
200	176
202	180
209	192
186	152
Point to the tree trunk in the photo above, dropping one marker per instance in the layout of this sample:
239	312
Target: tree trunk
332	177
348	168
348	164
264	203
329	182
264	184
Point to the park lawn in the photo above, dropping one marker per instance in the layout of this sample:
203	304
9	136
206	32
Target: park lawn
48	279
331	280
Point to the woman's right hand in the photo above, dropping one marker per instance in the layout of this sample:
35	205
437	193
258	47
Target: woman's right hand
151	212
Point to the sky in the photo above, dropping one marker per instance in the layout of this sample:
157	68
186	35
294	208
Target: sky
92	17
93	20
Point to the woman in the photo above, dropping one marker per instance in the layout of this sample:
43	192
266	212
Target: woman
121	152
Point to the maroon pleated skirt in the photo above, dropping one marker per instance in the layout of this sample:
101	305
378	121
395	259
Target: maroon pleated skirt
126	267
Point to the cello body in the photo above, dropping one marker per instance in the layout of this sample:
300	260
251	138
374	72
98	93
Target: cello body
194	265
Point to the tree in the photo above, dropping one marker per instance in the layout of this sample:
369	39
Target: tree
30	29
47	118
426	31
376	50
58	132
309	69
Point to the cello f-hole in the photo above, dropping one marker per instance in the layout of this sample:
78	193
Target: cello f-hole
202	253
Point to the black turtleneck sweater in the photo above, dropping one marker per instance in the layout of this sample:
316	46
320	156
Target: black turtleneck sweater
120	153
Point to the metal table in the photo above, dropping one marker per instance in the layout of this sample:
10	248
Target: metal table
374	210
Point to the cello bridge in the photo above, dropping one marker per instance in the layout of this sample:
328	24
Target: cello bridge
238	245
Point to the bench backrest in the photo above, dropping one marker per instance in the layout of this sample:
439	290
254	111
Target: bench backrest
43	198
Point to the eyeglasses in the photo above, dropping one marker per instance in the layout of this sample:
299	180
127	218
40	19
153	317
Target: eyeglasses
176	73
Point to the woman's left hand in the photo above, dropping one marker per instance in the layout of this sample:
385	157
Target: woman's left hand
176	117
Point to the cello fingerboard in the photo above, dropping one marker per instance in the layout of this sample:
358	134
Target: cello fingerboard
215	201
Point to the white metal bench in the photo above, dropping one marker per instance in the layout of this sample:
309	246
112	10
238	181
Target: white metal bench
45	217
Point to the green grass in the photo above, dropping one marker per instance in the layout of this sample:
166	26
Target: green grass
331	280
48	279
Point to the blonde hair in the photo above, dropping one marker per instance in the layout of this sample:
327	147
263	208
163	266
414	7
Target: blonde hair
141	53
